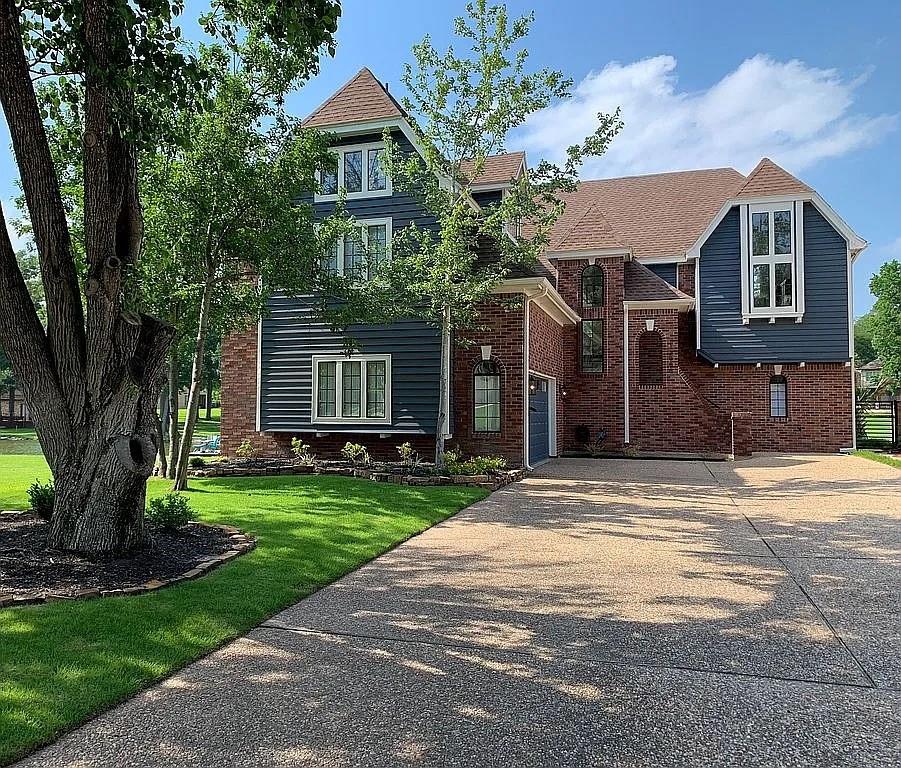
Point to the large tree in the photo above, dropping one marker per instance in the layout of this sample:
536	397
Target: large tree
93	374
464	102
886	313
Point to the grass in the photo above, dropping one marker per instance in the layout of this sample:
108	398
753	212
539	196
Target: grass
882	458
61	663
204	427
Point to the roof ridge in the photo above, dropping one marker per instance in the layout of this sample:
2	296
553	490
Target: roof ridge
364	73
662	173
764	164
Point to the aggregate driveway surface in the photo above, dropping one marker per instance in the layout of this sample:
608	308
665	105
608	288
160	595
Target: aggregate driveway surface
600	613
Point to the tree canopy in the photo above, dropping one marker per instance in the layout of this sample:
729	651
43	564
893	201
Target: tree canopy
886	318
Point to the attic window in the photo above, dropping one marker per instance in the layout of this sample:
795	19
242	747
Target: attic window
772	259
356	169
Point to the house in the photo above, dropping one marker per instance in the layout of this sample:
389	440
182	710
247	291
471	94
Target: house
690	312
870	373
13	408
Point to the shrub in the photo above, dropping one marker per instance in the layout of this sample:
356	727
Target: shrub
355	453
408	457
245	450
302	452
170	511
197	462
41	496
475	465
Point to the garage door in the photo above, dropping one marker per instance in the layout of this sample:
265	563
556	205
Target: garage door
539	444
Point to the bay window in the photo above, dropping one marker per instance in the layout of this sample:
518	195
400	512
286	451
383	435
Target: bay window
356	169
356	388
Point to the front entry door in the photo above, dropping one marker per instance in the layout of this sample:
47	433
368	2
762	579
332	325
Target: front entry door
539	439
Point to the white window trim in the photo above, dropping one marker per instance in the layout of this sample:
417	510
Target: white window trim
364	225
339	389
795	258
365	191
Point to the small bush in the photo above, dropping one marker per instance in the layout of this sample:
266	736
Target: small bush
408	457
41	496
197	462
302	452
475	465
356	454
245	450
170	511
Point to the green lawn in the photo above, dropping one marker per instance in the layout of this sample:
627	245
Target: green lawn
61	663
882	458
204	427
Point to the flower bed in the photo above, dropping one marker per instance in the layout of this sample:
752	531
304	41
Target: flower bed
401	474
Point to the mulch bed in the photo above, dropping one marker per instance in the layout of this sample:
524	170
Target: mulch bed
30	572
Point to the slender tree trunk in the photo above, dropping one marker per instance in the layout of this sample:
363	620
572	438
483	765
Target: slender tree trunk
161	418
443	388
209	402
173	411
12	405
184	454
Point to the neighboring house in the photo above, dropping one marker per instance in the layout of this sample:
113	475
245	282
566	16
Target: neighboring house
698	311
869	374
13	408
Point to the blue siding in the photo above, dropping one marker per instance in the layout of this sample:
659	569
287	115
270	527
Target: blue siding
822	336
666	271
292	334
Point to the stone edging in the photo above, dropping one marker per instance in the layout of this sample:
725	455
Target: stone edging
241	544
488	482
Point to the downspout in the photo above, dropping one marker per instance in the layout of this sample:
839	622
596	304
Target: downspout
625	374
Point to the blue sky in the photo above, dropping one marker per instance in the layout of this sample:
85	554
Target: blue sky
816	86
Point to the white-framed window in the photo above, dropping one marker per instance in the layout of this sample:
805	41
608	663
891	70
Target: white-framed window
355	388
358	170
772	260
778	397
359	253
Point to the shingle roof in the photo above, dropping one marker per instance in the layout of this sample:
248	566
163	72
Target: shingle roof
769	179
497	169
643	285
361	98
660	214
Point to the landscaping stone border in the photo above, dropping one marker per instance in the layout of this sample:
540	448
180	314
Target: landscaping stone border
488	482
242	543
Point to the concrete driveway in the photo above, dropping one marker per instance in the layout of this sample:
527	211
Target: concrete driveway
601	613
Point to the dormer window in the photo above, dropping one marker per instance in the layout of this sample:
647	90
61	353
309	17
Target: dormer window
357	170
772	260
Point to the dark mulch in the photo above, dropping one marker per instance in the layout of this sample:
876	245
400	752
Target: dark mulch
27	566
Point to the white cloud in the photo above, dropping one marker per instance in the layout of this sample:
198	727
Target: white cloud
792	113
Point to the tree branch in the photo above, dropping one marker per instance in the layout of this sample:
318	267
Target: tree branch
65	318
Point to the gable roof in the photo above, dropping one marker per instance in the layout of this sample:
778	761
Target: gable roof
658	215
767	179
361	99
643	285
497	169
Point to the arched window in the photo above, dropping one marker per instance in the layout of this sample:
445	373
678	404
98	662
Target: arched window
778	396
486	397
593	286
650	359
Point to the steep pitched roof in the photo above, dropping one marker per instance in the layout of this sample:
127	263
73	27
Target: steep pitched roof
660	214
498	169
769	179
643	285
363	97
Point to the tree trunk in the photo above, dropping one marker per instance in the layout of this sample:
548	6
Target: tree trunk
209	402
161	418
184	454
12	405
443	388
173	411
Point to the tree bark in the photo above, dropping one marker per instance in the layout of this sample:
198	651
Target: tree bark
174	388
443	388
184	454
160	416
209	402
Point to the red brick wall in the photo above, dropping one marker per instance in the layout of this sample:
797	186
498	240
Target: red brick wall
594	400
502	328
685	278
819	403
672	416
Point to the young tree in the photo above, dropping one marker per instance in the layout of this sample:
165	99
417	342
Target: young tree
463	106
864	352
223	219
92	376
886	287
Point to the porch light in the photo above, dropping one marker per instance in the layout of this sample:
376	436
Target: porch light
486	351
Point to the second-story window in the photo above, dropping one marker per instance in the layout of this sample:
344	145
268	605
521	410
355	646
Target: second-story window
772	259
592	286
358	170
359	253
